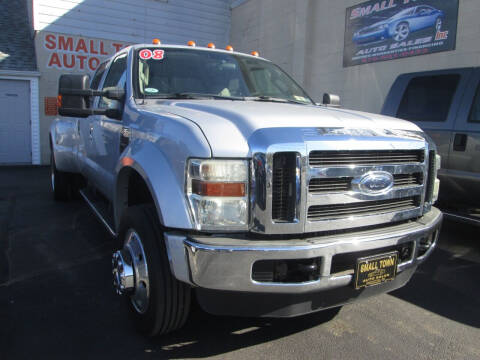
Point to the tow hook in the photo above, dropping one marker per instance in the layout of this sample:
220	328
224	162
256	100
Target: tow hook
123	274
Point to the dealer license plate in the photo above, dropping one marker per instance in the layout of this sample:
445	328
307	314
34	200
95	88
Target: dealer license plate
374	270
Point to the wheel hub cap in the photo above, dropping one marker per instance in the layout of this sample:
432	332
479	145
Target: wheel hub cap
123	277
130	272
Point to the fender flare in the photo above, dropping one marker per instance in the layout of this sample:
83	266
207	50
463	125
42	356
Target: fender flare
166	190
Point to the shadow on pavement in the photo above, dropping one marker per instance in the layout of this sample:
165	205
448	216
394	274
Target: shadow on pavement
77	314
448	282
226	334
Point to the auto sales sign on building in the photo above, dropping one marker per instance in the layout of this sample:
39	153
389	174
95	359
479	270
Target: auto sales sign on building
392	29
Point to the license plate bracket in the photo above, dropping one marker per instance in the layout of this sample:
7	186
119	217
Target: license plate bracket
375	270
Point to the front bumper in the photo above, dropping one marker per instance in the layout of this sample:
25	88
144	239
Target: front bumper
371	36
225	263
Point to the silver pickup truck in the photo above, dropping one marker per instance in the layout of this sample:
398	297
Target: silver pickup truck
218	175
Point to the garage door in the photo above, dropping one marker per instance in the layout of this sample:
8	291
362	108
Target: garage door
15	133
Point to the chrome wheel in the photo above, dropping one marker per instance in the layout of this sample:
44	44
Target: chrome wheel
438	24
130	272
401	32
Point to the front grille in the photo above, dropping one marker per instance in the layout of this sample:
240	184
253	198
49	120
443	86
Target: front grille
364	208
365	157
313	192
284	187
344	184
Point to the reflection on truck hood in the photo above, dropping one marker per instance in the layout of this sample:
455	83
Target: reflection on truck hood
228	125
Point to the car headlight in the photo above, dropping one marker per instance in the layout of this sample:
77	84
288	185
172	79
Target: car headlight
217	191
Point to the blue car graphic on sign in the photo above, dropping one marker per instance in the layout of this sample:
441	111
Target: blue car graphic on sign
401	25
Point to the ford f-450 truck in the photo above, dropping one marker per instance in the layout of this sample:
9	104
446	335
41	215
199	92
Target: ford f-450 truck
218	175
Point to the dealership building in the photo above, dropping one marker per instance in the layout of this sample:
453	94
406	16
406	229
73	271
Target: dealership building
342	47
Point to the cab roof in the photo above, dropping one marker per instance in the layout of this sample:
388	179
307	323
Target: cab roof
197	48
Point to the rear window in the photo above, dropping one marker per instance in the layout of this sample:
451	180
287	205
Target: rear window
428	98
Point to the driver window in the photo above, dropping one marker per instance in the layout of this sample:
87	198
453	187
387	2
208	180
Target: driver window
422	11
116	77
96	80
98	76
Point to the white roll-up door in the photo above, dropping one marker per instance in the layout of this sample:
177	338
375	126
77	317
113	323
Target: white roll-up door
15	127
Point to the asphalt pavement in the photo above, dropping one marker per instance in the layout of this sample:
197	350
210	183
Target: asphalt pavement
57	299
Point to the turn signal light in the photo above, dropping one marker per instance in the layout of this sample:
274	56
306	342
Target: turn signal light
191	43
255	53
156	42
204	188
229	48
59	101
127	161
211	46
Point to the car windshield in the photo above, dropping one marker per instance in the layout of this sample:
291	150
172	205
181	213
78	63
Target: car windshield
403	13
185	73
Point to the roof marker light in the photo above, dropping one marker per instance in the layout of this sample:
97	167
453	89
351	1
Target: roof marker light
211	46
191	43
229	48
156	42
255	53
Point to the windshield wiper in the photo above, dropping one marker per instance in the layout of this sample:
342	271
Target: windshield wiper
187	95
274	99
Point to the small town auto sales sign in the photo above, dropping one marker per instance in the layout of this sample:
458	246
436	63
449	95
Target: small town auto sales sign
392	29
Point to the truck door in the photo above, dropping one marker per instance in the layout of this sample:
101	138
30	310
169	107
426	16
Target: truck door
107	131
464	162
86	146
431	100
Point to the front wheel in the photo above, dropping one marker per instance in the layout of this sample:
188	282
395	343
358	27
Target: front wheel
401	32
158	302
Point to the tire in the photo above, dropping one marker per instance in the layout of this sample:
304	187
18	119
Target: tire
168	301
60	182
401	32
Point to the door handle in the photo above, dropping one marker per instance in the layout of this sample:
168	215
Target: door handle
91	132
460	142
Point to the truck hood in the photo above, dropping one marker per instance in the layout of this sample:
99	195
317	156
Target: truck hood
230	125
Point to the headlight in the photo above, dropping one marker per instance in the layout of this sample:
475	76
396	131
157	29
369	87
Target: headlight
217	191
381	27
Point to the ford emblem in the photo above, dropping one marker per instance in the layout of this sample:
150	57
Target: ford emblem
374	182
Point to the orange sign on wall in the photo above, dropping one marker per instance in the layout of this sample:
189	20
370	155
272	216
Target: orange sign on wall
51	106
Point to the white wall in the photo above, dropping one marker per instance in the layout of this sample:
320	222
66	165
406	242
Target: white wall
306	38
137	21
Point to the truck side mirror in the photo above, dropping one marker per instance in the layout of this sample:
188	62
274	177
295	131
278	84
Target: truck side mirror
331	100
74	98
70	104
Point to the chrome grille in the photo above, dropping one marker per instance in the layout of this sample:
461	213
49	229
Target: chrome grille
343	184
365	157
308	185
431	176
364	208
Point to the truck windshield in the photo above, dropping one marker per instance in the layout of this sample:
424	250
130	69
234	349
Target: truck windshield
185	73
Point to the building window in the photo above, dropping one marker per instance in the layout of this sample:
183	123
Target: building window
428	98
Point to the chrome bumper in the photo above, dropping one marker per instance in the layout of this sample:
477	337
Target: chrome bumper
225	263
